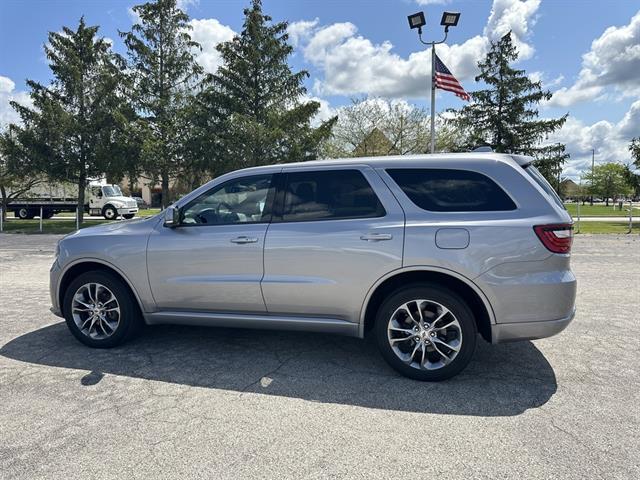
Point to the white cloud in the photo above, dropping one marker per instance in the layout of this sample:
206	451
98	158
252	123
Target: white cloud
538	76
184	5
7	94
301	30
609	139
614	60
325	112
352	64
209	32
513	16
6	85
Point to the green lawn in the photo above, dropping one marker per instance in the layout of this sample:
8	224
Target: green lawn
606	227
58	225
147	212
48	226
63	226
600	210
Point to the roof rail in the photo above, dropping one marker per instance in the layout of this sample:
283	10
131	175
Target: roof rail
483	148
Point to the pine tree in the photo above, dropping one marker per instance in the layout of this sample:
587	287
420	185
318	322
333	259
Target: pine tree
504	115
634	148
254	102
549	160
68	133
164	74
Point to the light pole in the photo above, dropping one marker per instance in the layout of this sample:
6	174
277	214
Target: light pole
593	164
417	20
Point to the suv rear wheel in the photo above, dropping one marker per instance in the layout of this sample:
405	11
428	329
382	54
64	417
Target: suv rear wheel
426	332
100	310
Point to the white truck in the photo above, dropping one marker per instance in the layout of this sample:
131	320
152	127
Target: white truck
100	199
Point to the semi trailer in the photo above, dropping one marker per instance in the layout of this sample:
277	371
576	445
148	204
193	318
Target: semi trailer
101	199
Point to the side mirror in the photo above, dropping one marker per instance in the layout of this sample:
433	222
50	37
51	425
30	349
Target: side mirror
171	217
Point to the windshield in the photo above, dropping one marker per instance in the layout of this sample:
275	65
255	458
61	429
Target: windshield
111	191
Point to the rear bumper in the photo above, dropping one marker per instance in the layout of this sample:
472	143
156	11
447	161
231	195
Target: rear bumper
511	332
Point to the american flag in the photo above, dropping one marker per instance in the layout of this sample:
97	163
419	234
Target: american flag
446	81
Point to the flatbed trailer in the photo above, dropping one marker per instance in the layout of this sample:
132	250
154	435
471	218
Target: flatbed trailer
30	208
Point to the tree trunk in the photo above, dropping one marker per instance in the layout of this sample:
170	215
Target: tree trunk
165	190
4	202
82	181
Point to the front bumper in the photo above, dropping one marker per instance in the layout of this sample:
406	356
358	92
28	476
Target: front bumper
54	278
128	211
511	332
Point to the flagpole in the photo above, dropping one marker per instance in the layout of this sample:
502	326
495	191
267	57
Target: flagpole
433	83
433	97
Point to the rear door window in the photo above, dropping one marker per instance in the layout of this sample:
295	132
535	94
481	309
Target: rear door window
445	190
328	195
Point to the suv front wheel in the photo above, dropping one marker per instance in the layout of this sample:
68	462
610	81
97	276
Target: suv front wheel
100	310
426	332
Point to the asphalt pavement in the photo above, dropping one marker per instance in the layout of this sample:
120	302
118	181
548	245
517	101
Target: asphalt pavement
184	402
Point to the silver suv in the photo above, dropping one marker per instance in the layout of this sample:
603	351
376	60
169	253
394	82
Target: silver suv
424	252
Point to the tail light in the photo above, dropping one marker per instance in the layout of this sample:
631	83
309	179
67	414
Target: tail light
556	237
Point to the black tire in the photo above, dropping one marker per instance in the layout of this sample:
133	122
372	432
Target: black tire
24	214
129	216
454	303
130	317
109	212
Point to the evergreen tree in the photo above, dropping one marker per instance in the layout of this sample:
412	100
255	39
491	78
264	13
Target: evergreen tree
504	115
634	148
68	133
253	104
164	74
549	160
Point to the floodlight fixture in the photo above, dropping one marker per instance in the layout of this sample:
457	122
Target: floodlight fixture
450	19
417	20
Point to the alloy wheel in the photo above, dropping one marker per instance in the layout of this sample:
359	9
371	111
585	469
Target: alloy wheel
96	311
424	334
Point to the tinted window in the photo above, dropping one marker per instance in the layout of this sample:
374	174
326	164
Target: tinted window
243	200
540	180
324	195
440	190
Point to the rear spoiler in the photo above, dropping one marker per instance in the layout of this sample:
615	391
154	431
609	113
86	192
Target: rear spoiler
523	160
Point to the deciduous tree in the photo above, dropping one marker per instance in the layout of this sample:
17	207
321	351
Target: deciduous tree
378	126
608	181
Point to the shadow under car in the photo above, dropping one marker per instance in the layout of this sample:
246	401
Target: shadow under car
501	380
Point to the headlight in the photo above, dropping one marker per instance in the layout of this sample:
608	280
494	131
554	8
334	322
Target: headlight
117	204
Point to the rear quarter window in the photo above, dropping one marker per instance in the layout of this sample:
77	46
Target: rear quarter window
444	190
537	177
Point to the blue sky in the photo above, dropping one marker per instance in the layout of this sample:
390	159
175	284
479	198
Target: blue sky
585	51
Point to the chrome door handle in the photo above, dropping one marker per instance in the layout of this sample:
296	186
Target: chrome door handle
376	237
243	240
